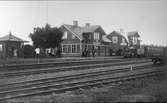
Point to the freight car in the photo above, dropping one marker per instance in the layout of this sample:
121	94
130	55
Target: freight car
156	54
130	52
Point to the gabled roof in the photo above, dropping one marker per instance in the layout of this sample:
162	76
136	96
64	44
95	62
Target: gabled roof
133	33
78	31
11	37
105	39
116	33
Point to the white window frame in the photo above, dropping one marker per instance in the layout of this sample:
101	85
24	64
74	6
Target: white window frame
96	36
1	47
65	35
64	49
135	40
73	48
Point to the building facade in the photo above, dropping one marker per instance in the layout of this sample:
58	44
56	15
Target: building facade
77	39
134	39
119	42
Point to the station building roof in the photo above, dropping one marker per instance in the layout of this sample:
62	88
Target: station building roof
11	37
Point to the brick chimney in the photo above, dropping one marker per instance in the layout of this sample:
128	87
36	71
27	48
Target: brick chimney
75	23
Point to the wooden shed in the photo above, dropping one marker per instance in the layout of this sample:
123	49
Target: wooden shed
11	46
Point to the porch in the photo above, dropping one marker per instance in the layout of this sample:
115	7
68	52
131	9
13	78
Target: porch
77	49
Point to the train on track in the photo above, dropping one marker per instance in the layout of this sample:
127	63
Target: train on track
155	53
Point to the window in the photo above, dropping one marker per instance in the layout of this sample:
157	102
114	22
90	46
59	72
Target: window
73	36
65	35
115	39
74	48
65	49
96	36
78	48
69	48
135	40
1	48
123	40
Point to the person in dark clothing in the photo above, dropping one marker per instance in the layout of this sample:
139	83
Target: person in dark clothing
93	52
85	53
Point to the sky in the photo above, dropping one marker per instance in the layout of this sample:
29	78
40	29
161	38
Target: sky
148	17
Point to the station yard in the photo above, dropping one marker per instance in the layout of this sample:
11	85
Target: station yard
151	89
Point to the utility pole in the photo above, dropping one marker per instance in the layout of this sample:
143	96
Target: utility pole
47	12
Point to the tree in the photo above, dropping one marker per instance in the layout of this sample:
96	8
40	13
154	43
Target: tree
28	51
46	37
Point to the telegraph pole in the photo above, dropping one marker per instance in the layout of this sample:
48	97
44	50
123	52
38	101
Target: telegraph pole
46	11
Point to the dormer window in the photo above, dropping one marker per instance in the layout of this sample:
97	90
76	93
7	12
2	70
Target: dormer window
123	40
115	39
96	36
65	35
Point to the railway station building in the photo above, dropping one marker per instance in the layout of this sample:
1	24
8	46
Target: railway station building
77	38
10	46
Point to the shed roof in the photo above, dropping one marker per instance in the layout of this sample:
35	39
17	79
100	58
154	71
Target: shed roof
11	37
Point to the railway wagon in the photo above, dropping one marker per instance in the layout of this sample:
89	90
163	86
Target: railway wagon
141	52
129	52
157	54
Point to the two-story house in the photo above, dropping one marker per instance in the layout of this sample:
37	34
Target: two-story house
78	38
119	42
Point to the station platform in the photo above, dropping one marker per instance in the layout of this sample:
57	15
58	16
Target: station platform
42	60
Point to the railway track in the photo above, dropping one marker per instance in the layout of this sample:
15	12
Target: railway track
57	85
15	62
78	66
81	74
29	66
54	63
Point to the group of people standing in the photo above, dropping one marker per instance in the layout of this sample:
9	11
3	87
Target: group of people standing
87	52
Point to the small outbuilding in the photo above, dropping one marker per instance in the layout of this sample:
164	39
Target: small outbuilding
11	46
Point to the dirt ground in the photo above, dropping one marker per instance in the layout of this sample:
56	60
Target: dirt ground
150	89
